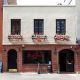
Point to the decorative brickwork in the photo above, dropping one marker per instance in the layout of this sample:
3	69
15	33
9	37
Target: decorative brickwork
32	67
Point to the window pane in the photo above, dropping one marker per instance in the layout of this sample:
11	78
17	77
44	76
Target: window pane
38	24
63	26
40	30
36	30
57	26
60	26
15	26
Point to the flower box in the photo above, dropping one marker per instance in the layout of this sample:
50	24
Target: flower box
39	38
62	37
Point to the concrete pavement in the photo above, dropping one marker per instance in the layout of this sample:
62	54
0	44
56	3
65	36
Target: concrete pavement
35	76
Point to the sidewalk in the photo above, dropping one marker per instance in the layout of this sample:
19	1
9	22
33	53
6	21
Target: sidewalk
35	76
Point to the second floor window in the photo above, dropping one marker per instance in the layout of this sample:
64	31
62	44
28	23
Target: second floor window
38	26
15	26
60	26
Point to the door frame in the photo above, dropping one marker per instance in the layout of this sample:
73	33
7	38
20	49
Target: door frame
59	63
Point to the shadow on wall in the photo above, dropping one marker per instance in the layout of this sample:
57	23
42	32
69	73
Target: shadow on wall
78	40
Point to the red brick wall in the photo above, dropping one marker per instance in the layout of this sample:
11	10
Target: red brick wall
55	64
78	59
34	68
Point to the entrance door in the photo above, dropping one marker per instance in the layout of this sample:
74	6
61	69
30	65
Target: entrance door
12	59
66	60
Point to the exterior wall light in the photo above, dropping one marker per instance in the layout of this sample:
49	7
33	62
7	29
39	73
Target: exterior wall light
23	47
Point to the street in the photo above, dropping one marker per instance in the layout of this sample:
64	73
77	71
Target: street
35	76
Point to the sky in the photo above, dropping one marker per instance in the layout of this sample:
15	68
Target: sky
44	2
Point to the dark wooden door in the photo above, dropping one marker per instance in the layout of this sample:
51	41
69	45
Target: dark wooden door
69	62
66	61
12	60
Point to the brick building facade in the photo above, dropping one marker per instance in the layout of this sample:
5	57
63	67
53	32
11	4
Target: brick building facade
40	37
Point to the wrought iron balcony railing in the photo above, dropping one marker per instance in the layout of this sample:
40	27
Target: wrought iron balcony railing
15	38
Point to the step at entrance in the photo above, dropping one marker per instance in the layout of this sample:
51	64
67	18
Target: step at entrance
12	70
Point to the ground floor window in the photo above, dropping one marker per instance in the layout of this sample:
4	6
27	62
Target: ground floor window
36	56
